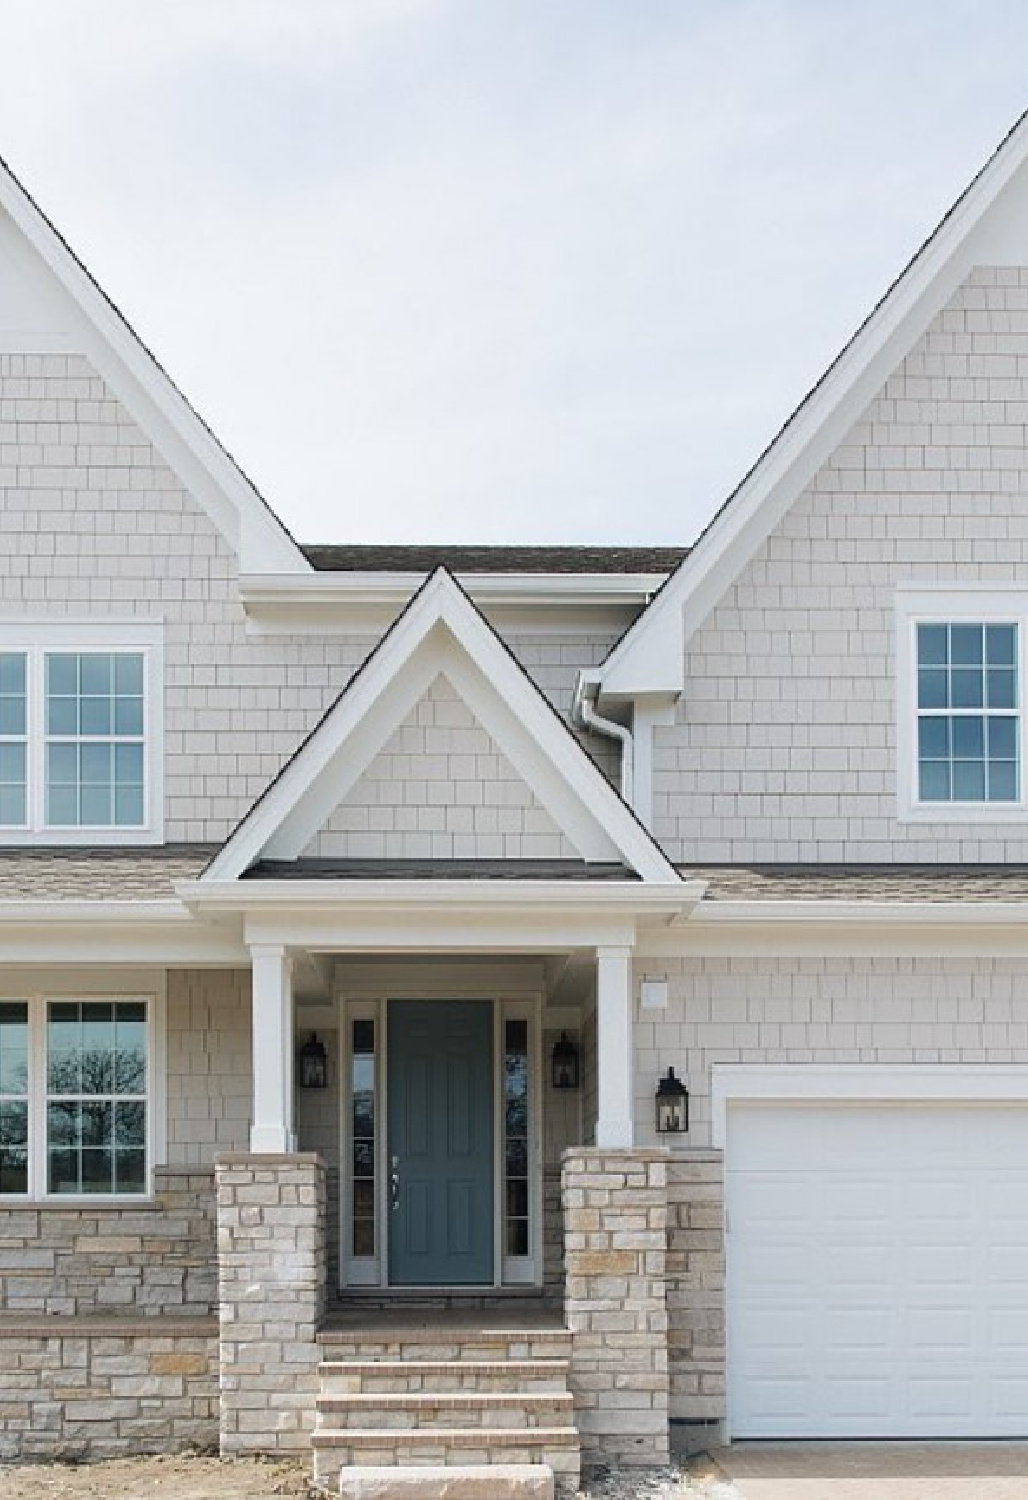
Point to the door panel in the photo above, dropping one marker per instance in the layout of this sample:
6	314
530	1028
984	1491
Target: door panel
441	1135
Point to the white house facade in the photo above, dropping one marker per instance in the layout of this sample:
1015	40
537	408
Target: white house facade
363	912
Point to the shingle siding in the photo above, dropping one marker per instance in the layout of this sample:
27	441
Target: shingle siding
784	747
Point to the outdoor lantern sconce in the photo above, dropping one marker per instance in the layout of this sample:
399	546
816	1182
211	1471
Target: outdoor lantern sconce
672	1105
313	1064
565	1063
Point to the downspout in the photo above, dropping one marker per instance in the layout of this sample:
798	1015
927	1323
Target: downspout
585	715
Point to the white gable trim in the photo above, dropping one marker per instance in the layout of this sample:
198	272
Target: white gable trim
441	632
978	230
249	526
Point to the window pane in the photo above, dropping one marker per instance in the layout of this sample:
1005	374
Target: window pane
62	674
128	716
95	806
932	688
1002	781
96	674
12	714
12	673
62	807
968	781
932	645
933	738
966	687
969	737
935	781
1001	687
12	806
14	1047
128	806
1000	645
128	675
130	1172
1002	736
967	645
62	716
94	716
362	1090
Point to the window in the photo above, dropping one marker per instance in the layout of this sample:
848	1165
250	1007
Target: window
75	1096
960	739
967	713
80	733
362	1093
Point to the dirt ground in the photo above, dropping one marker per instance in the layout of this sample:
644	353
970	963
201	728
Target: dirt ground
190	1477
163	1478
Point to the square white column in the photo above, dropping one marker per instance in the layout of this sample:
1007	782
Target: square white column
272	1129
614	1124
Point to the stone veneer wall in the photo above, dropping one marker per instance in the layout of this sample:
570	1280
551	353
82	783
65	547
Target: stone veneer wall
107	1388
140	1259
272	1273
616	1215
696	1288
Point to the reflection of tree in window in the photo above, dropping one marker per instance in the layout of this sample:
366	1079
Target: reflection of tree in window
515	1103
96	1129
362	1088
14	1088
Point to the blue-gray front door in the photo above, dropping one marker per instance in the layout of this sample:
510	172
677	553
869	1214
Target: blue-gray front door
441	1142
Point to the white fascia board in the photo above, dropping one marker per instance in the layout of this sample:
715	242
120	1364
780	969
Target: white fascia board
116	933
375	702
236	509
864	913
819	424
638	897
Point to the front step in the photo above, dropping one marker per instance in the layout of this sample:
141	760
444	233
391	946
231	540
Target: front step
443	1396
470	1482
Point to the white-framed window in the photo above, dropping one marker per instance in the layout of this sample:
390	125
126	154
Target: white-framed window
960	701
78	1095
81	732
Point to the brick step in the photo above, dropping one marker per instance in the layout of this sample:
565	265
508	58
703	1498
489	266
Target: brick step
344	1377
445	1447
462	1482
438	1343
427	1410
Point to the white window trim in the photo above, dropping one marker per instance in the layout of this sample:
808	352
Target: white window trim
947	604
151	991
38	637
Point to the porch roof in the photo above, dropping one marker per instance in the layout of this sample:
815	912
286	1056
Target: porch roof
60	873
438	869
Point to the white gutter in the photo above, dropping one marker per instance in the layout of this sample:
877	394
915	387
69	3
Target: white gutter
585	715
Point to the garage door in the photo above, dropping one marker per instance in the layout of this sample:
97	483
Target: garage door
877	1270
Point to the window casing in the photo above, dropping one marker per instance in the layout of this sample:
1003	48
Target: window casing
78	1101
961	675
81	733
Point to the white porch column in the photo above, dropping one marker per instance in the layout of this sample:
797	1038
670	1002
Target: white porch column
614	1061
272	1129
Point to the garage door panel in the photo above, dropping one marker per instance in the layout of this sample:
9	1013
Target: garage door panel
877	1270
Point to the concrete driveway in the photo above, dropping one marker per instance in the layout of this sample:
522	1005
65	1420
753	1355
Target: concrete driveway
865	1471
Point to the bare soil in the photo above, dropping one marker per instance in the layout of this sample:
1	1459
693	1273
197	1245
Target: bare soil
163	1478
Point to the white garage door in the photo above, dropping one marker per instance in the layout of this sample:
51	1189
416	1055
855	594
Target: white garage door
877	1270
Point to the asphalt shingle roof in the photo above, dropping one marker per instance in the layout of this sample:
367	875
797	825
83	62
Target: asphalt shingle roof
436	869
870	883
464	559
83	874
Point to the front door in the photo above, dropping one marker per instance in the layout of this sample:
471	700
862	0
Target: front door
441	1143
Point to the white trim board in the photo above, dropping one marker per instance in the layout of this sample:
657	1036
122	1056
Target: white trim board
850	1083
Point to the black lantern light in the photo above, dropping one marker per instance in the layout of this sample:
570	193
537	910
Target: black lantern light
565	1063
313	1064
672	1105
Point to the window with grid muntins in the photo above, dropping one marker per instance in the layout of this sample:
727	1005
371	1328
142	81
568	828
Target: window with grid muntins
94	739
968	712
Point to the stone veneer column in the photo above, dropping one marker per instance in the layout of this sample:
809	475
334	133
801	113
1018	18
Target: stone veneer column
615	1248
271	1282
696	1294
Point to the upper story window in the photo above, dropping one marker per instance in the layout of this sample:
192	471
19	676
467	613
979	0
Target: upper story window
81	714
961	743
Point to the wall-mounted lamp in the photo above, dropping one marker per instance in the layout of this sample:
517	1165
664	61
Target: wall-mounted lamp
565	1063
313	1067
672	1105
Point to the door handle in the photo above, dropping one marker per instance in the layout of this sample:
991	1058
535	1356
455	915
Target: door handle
394	1184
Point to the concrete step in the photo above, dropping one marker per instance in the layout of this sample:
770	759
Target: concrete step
463	1482
430	1409
446	1447
346	1377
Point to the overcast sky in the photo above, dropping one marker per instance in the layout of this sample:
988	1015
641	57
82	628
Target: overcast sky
501	270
